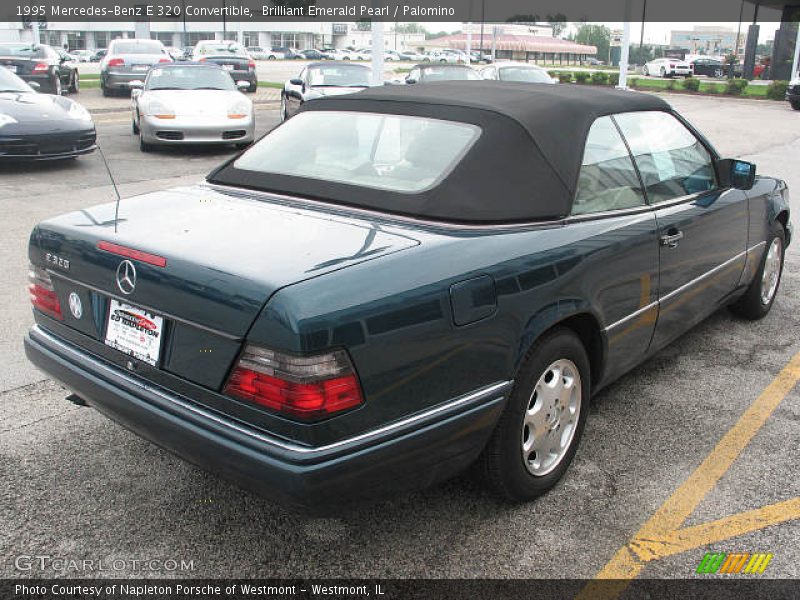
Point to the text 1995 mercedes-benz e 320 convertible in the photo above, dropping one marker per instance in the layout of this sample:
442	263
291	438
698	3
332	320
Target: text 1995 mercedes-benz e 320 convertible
395	284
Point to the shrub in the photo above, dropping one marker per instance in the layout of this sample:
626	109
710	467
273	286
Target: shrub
633	82
613	79
553	73
565	77
735	87
599	78
692	84
581	77
777	90
671	84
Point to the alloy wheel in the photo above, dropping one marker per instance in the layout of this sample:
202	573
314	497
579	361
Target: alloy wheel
772	271
551	417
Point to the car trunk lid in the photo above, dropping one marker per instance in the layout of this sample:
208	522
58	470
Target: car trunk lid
225	255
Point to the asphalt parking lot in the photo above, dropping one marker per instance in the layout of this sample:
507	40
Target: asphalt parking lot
75	485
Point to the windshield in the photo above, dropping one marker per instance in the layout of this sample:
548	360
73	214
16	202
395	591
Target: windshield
449	74
524	74
11	83
189	78
230	48
22	50
137	47
339	75
391	152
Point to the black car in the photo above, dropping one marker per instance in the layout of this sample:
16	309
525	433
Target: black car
428	72
41	126
321	79
51	69
793	93
99	55
713	67
232	57
312	54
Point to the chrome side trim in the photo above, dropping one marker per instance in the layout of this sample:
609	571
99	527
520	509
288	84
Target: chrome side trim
489	392
700	278
684	287
633	315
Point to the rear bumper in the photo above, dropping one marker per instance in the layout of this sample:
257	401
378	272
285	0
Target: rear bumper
413	453
120	80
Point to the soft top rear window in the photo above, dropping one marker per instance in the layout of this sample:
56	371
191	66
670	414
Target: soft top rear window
399	153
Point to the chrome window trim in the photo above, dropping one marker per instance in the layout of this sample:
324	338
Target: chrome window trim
488	392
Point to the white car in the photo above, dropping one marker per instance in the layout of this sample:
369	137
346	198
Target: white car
260	53
83	56
446	56
668	67
519	72
338	54
183	103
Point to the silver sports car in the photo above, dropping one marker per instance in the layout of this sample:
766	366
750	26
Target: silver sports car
186	103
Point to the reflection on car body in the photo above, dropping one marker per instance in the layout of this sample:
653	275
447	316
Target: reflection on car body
381	321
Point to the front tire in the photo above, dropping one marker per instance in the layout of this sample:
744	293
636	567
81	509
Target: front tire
74	84
284	114
144	146
537	435
760	296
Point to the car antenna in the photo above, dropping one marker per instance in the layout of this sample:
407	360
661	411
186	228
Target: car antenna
113	183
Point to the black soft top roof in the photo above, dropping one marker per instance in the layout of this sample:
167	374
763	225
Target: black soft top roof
523	167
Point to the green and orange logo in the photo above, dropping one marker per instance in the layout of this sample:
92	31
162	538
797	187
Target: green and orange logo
734	563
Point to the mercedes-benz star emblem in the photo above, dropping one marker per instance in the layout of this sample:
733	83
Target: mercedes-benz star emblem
75	306
126	277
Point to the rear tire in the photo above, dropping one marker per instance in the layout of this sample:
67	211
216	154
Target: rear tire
538	433
795	104
760	296
253	88
134	127
74	84
104	89
57	89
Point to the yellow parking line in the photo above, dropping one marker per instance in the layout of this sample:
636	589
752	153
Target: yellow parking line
732	526
660	536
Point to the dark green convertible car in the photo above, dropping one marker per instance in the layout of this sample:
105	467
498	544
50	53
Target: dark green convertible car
395	284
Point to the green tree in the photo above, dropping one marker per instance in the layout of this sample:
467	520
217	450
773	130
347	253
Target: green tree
595	35
640	55
364	25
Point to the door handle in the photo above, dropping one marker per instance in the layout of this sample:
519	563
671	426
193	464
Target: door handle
671	239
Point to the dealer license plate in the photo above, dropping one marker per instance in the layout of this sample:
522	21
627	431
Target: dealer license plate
134	331
227	67
12	68
141	67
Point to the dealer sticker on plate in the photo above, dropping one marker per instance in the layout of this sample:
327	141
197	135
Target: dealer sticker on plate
134	331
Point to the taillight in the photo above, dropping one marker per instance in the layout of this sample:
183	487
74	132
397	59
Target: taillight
116	62
43	296
303	387
201	60
671	66
40	67
164	60
251	65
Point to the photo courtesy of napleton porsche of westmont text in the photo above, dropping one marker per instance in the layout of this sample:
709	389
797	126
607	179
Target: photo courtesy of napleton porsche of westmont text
348	298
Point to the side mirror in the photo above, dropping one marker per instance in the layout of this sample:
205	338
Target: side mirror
296	81
734	173
243	85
